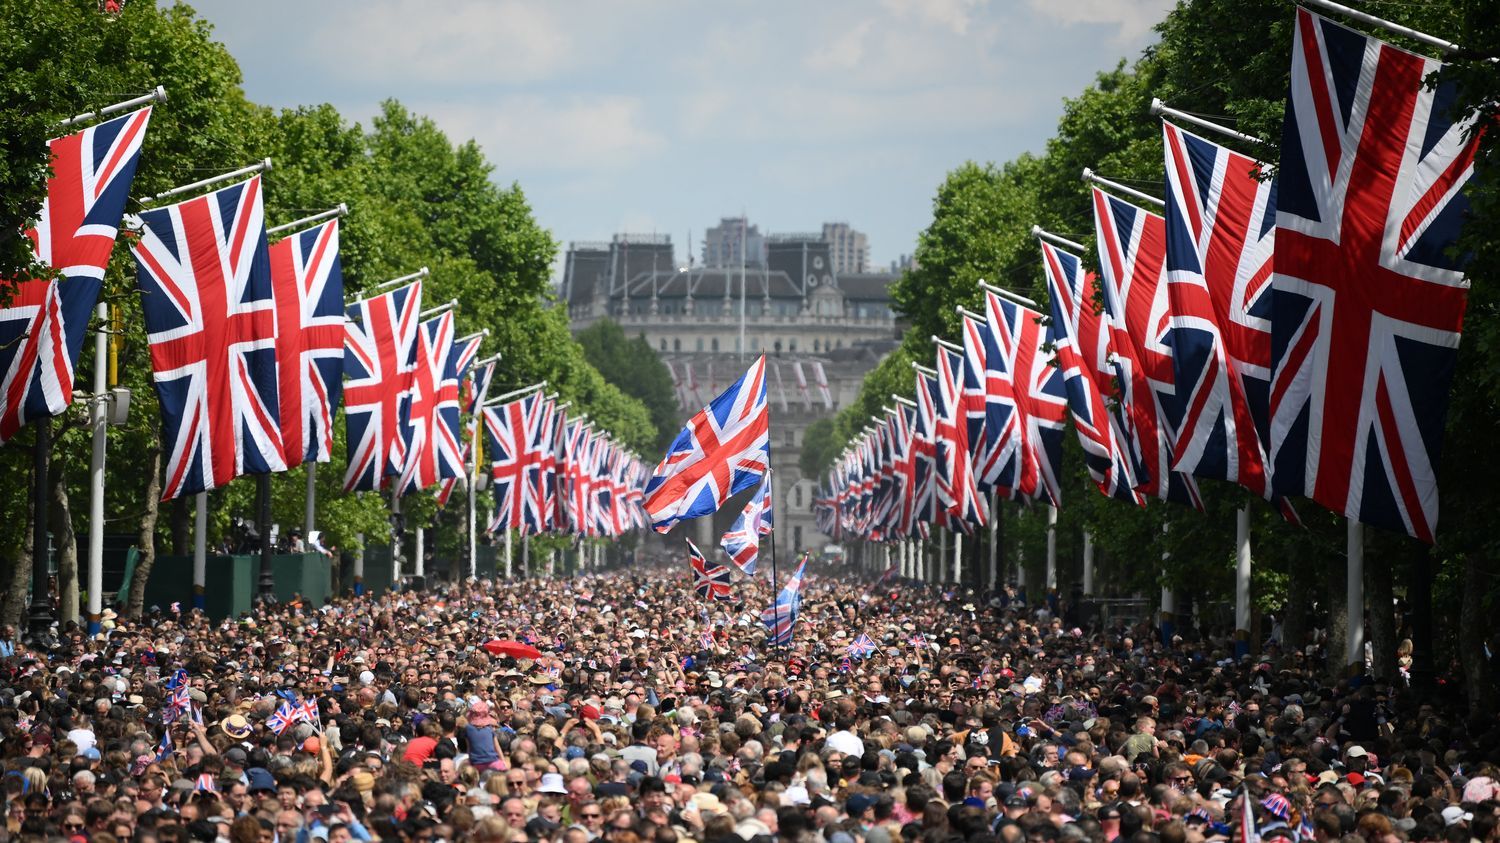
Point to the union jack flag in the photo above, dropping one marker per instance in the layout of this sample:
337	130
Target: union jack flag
285	716
1220	226
380	360
802	385
742	542
1367	304
506	430
479	386
924	455
956	486
989	393
205	281
165	747
709	580
1082	348
179	702
308	712
845	664
431	430
43	326
1017	337
903	469
206	784
723	449
1132	254
862	647
542	468
308	282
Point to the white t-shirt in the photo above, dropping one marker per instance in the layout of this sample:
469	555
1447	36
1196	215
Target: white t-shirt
846	742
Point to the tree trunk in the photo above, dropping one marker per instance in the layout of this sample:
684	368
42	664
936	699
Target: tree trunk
67	545
147	537
13	607
1336	587
1477	626
1380	598
181	523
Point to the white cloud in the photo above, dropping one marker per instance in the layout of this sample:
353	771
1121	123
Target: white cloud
470	42
533	132
844	52
1130	18
953	15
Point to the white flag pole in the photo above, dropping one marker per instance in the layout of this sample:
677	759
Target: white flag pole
258	167
157	95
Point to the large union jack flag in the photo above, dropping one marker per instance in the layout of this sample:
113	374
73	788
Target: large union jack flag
1132	257
1082	347
723	449
431	424
43	326
742	542
309	286
1017	340
541	474
506	428
1367	303
380	349
205	281
1220	227
956	487
709	580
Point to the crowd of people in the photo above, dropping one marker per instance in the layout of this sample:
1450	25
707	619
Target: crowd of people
648	715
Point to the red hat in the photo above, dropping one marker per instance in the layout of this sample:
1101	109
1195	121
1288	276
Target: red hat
590	712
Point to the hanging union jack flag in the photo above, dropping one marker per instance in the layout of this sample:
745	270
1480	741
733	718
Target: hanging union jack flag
205	281
1367	303
379	359
1132	255
42	327
1083	354
925	507
742	542
309	287
1220	226
431	430
506	428
1024	344
709	580
956	487
723	449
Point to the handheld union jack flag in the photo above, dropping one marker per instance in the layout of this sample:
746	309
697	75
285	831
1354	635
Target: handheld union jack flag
1082	348
723	449
380	359
42	327
862	646
1367	303
308	282
205	281
1017	336
431	430
165	746
709	580
283	718
1220	226
742	542
1132	254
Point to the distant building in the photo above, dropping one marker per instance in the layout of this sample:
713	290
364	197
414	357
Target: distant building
798	309
849	249
902	263
722	244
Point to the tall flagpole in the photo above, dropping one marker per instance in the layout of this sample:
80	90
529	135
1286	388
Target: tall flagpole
744	234
1242	581
98	419
1354	646
1051	548
200	549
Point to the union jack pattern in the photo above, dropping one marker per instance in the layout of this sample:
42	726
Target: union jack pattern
781	617
506	429
309	286
43	326
742	542
1082	348
1021	340
205	281
1132	254
1220	227
709	580
862	647
380	347
1367	304
723	449
430	426
955	487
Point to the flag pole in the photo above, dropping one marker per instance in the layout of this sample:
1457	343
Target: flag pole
1003	293
1161	109
338	211
259	167
1093	178
1056	239
775	595
159	94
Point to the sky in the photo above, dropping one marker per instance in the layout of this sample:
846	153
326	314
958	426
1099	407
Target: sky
660	116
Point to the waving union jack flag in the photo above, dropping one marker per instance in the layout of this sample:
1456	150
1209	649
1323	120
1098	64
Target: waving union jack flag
781	617
309	285
1367	304
205	282
1023	343
432	429
1132	254
742	542
709	580
379	358
1220	224
42	328
723	449
862	646
1083	354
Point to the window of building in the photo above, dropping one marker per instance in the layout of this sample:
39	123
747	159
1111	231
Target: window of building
817	346
663	343
797	496
700	343
715	343
791	344
677	345
778	346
